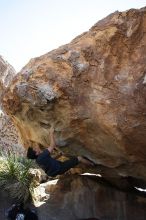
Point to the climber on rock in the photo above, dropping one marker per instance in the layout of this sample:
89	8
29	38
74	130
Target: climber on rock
51	166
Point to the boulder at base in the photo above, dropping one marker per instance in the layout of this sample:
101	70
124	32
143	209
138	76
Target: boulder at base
84	198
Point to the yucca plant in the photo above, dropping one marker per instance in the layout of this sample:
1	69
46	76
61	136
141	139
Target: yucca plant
15	176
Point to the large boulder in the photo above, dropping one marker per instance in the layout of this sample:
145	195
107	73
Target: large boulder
93	91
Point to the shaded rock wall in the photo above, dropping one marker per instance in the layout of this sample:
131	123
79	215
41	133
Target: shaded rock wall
9	139
81	197
7	72
8	134
93	91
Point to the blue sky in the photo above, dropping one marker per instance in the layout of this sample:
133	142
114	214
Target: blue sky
30	28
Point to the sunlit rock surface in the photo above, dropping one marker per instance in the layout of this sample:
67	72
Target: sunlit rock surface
93	91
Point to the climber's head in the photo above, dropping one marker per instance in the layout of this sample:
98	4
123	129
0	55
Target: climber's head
31	153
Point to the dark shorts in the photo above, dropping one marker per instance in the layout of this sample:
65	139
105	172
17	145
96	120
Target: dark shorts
64	166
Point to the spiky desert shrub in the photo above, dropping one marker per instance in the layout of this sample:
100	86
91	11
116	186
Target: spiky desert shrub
15	176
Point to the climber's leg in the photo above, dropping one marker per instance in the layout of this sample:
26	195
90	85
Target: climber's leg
68	164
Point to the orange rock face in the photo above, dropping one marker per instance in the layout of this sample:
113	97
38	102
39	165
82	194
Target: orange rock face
93	91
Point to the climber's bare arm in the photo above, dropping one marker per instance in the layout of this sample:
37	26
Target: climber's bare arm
52	140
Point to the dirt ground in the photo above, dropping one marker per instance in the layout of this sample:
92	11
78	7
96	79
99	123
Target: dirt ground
5	203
